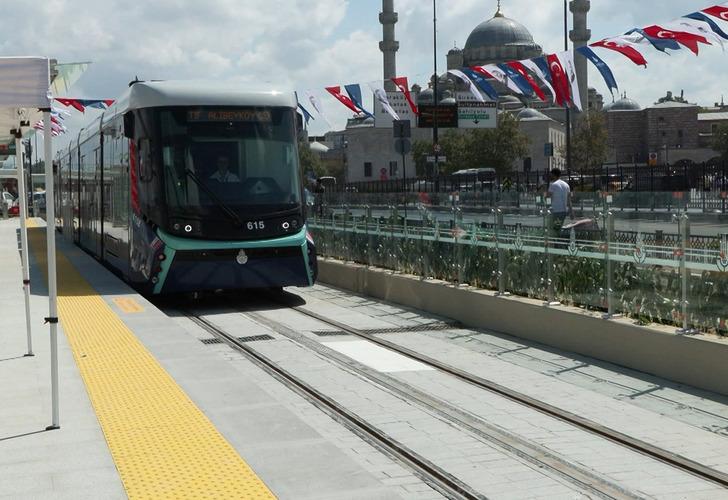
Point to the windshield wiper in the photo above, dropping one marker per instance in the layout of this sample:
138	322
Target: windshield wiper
221	204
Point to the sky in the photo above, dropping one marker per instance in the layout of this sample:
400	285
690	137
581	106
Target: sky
310	44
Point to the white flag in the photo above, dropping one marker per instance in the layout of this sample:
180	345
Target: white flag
317	106
381	97
471	86
501	76
695	27
567	61
540	74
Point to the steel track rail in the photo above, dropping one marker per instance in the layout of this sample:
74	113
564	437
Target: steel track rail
581	478
672	459
431	474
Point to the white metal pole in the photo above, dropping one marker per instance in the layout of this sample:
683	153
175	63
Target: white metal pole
19	160
51	241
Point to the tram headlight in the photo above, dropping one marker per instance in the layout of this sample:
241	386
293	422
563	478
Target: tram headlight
242	257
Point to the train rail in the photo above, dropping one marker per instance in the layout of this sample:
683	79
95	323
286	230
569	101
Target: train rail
629	442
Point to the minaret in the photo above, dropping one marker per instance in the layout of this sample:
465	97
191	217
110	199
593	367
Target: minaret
389	46
580	36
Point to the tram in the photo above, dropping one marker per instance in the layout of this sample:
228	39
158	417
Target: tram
189	187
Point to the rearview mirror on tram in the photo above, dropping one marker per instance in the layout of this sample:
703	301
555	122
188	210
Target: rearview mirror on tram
129	125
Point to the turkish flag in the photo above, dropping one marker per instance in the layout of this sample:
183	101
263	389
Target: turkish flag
521	70
718	11
336	92
71	102
403	86
623	48
690	40
560	80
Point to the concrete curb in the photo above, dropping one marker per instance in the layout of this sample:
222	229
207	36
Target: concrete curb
697	360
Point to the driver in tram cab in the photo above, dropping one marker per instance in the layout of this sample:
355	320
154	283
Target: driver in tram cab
223	174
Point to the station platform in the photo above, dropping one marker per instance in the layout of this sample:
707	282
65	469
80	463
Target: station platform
150	409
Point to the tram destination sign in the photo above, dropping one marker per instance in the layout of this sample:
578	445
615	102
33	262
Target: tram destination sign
447	116
476	114
230	115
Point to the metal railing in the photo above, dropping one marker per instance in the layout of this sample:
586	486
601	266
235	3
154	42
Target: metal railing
664	275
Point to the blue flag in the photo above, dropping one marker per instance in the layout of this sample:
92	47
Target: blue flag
543	65
518	79
482	83
354	92
699	16
306	115
661	44
601	66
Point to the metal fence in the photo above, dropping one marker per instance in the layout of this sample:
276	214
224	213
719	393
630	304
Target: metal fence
650	271
610	178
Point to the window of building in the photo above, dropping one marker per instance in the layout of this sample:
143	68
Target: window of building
713	128
680	133
393	171
367	169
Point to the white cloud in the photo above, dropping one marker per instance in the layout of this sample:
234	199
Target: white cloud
310	44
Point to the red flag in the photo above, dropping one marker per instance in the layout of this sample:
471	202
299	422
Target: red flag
109	102
403	86
521	69
71	102
559	79
690	40
624	49
345	100
718	11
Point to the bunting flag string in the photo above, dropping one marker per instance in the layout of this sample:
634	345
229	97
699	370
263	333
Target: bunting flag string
354	92
381	96
471	87
82	104
403	86
555	73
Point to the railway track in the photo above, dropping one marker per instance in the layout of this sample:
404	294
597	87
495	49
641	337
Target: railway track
579	477
436	477
629	442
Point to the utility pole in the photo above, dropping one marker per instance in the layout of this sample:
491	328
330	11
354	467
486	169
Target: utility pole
435	138
568	110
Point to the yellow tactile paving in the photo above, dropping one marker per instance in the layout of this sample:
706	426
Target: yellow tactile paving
128	305
162	444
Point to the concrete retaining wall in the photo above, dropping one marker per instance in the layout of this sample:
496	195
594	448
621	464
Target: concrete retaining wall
700	360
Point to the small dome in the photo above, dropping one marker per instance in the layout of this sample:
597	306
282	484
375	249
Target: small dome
317	147
425	96
454	50
530	114
624	104
449	101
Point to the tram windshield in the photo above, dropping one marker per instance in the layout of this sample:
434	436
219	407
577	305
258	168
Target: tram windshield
238	159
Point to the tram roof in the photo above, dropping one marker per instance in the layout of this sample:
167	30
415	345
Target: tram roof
200	93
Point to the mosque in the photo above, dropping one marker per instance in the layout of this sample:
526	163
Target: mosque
366	146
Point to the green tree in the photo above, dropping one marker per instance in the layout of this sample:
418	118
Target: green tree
720	142
589	143
500	147
310	161
495	148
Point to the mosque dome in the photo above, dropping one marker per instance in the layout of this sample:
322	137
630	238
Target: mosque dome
499	39
623	104
530	114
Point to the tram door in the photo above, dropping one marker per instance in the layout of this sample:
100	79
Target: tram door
95	225
75	190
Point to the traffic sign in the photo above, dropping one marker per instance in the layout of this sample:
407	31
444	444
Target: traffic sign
653	159
402	128
402	146
475	114
548	149
440	159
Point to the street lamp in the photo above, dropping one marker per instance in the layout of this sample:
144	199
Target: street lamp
568	110
435	138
